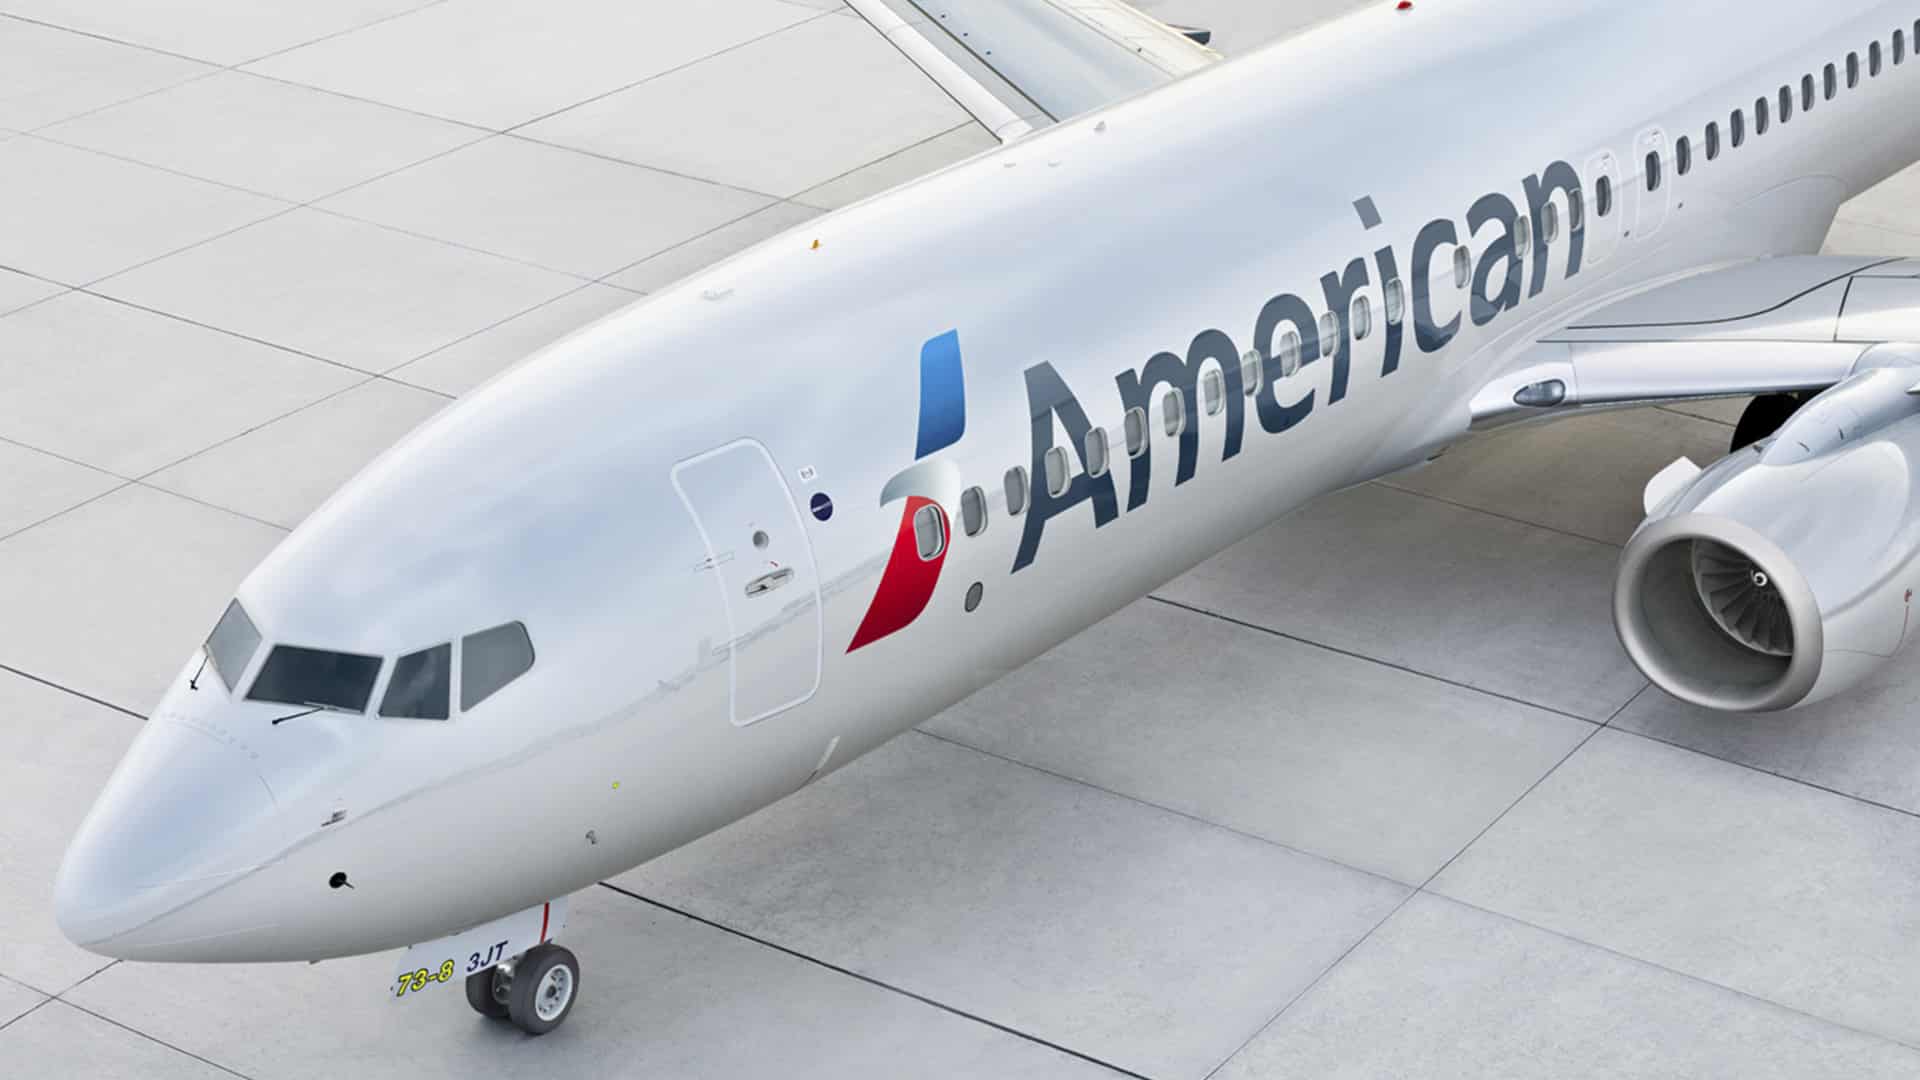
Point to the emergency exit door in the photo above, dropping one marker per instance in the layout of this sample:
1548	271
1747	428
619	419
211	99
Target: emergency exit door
1655	187
1601	215
762	567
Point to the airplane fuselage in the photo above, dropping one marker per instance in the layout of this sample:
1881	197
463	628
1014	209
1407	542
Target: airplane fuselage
778	422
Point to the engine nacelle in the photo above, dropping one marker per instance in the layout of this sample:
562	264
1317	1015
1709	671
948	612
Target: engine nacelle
1783	573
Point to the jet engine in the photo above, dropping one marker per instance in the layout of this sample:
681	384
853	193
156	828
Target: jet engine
1784	573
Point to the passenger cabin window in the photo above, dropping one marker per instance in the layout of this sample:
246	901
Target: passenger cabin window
1134	425
1899	47
1576	211
1806	93
1288	353
1213	391
1786	104
1016	483
1760	111
1054	461
1603	196
1873	59
1737	128
1250	373
973	511
1463	261
421	686
1361	316
1096	452
1830	80
1853	70
1173	413
1522	233
1713	141
1682	156
1550	223
493	658
929	535
1653	170
1396	296
232	644
1329	334
328	680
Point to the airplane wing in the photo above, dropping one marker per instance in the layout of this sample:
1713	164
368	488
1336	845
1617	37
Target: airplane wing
1018	65
1799	322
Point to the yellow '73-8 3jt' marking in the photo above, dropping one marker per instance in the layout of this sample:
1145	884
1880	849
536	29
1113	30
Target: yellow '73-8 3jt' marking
417	980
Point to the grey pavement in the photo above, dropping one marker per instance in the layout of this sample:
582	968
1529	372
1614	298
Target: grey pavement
1373	793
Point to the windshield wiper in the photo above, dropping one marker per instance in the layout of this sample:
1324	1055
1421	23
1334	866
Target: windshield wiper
315	706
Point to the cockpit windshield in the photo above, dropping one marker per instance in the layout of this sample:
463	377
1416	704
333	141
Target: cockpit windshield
491	659
296	676
421	684
232	644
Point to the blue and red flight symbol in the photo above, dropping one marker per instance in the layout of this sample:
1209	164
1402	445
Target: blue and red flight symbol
908	582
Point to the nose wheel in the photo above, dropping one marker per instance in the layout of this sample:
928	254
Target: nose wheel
535	992
487	991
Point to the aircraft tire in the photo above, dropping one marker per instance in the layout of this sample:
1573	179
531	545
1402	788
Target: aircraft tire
480	995
546	983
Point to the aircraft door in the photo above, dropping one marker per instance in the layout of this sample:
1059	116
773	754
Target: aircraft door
1655	186
762	562
1602	213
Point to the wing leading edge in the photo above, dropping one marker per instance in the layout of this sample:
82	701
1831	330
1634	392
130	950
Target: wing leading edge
1017	65
1767	326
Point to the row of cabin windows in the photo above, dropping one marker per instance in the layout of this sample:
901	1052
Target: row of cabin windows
1058	469
1763	108
930	523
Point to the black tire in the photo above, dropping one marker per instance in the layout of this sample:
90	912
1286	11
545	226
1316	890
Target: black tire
546	983
482	996
1764	415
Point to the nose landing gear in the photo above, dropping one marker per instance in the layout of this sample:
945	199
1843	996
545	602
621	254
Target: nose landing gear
535	991
487	991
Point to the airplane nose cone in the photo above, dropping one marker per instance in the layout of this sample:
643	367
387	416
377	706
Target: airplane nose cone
160	836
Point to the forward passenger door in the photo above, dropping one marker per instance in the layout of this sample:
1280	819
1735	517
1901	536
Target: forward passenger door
762	562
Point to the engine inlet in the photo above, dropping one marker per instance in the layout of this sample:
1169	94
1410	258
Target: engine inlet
1742	598
1716	614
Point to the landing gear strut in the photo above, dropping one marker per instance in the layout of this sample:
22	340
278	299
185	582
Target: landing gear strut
1765	415
535	991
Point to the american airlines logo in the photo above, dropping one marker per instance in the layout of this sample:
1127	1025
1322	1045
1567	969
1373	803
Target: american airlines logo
1494	286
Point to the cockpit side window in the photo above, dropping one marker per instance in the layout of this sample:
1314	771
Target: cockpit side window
331	680
421	684
232	644
491	659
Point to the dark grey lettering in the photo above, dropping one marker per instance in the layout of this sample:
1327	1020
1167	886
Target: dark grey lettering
1047	397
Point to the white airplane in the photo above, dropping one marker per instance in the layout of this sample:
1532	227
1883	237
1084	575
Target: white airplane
702	552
